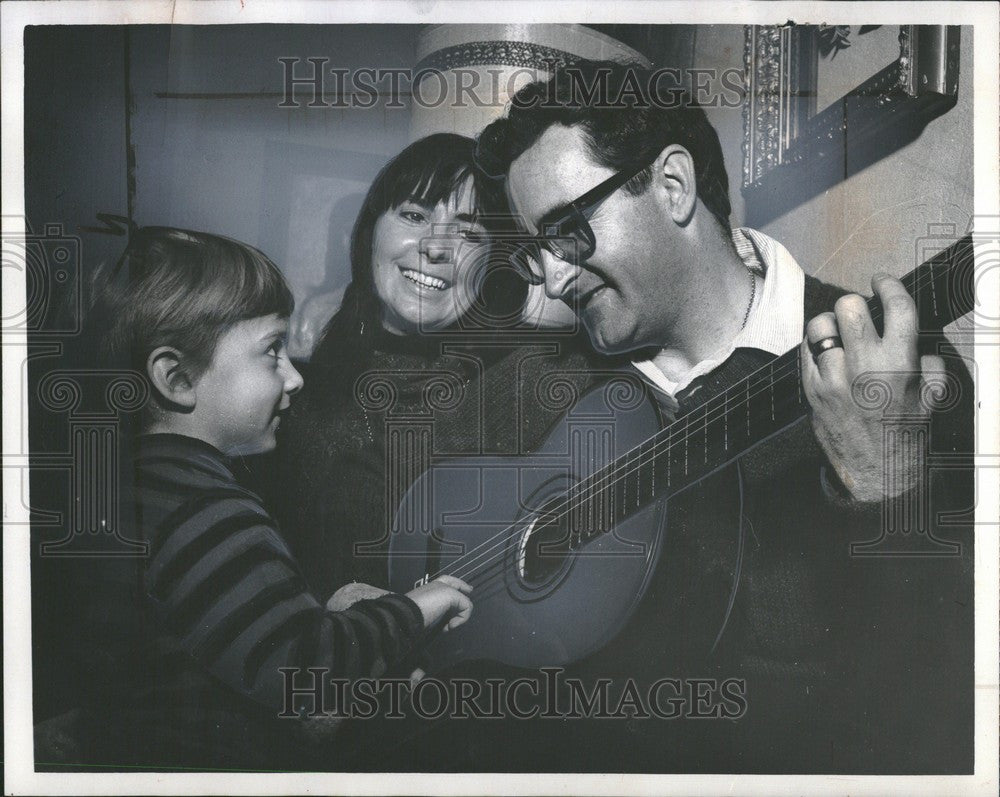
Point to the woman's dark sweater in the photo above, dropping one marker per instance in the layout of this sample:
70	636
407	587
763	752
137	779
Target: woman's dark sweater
347	455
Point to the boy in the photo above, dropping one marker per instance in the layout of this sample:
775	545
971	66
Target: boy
204	318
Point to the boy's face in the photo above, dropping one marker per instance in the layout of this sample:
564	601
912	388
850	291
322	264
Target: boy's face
248	383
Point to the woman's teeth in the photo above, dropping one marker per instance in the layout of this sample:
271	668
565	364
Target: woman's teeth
424	280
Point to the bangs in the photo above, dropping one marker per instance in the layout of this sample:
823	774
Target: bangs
429	172
265	291
431	184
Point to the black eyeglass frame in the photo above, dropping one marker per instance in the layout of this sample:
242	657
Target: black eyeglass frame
553	226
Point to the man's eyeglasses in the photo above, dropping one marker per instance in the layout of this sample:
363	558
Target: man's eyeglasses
565	231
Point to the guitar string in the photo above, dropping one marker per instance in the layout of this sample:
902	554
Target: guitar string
611	478
572	502
614	475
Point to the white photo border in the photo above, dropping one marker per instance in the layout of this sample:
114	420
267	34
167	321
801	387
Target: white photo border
19	775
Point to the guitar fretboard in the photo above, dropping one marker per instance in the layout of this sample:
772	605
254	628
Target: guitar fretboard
746	413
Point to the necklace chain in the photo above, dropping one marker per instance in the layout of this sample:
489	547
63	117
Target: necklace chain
753	295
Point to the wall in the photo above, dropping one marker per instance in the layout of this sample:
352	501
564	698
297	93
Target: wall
873	220
889	217
215	152
74	159
74	154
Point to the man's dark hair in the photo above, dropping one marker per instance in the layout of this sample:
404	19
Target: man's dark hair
626	122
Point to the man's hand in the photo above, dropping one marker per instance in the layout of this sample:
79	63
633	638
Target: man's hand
445	598
848	411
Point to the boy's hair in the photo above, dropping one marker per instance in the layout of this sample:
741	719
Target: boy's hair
182	289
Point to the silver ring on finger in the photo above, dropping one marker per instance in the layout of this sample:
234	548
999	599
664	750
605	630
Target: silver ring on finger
820	346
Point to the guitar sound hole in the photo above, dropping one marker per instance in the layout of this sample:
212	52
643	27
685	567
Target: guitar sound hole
542	551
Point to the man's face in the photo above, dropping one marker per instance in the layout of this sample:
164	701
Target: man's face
621	292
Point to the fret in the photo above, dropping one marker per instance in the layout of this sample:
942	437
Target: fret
607	510
652	480
686	428
626	478
611	475
704	430
669	451
615	489
725	423
637	474
594	501
749	432
677	452
798	382
770	388
644	491
632	485
619	492
602	498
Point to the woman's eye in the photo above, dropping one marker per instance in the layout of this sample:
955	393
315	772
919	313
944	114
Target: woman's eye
475	236
274	350
413	215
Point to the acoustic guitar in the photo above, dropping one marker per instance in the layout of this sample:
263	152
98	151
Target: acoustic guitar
560	545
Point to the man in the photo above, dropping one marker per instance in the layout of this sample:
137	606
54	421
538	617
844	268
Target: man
852	664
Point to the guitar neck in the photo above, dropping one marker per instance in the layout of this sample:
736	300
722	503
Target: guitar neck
751	410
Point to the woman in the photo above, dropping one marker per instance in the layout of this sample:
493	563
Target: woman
415	363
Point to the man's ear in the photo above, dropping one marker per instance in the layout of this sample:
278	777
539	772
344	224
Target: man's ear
675	170
170	377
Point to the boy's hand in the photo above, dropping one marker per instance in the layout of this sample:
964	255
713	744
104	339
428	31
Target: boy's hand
445	597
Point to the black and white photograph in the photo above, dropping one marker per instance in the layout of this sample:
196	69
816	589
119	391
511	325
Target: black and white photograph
501	397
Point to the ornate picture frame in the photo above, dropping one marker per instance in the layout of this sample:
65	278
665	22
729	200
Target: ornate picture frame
782	132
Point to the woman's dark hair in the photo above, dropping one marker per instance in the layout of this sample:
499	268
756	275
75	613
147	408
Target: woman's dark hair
427	172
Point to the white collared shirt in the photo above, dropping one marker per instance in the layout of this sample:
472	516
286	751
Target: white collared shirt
776	319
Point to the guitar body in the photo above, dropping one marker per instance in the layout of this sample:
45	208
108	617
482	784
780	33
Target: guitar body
474	518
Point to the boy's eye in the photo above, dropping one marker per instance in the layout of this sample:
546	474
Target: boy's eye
274	350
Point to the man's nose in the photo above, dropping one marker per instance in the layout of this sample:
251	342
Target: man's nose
558	275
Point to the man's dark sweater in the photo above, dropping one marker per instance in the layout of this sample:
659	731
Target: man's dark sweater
853	663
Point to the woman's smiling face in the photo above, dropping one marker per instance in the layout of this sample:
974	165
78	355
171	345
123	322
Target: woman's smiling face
426	264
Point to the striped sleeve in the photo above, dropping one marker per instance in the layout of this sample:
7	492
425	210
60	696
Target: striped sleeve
226	586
